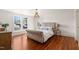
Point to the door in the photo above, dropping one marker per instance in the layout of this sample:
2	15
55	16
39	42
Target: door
77	25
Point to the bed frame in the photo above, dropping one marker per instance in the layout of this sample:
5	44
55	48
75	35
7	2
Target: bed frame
35	35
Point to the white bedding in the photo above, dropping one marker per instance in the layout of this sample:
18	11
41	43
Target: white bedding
40	35
47	33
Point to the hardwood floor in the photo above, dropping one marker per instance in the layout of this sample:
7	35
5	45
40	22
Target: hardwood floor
54	43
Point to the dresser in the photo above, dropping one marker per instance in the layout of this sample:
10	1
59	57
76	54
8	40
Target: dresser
5	40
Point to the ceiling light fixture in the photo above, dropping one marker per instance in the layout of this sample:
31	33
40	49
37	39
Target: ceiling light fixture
36	14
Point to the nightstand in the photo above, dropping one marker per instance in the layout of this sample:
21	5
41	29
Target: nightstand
56	29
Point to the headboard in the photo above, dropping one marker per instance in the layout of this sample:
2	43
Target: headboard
54	25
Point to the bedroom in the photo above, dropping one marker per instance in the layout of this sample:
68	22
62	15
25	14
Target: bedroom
62	20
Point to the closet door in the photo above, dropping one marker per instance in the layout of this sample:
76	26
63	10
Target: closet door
77	25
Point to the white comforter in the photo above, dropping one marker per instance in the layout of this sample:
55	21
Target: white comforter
46	33
40	35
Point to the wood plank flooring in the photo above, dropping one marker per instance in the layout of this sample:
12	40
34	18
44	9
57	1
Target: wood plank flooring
54	43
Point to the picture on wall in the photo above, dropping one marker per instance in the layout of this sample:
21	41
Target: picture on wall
25	23
17	22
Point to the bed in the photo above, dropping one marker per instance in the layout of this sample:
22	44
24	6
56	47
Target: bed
41	34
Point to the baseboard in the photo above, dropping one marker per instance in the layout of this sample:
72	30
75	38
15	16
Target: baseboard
66	36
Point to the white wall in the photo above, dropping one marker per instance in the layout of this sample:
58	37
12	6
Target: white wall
24	12
7	17
28	12
65	17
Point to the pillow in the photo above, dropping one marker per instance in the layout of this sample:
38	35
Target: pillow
45	28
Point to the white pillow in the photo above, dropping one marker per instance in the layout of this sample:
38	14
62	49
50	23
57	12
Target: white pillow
45	28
